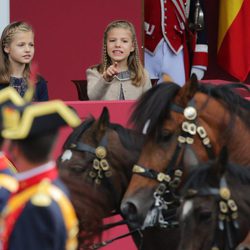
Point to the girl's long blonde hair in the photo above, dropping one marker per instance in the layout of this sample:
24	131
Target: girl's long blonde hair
134	64
6	39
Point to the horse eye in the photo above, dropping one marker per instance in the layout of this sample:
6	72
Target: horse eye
165	135
205	216
77	169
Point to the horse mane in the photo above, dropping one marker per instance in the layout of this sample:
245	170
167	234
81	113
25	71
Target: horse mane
153	105
233	101
129	138
204	174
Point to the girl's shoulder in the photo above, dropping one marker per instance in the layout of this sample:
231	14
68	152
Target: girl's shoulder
96	67
94	70
41	80
146	73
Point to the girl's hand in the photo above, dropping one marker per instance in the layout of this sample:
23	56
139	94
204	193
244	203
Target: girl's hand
111	71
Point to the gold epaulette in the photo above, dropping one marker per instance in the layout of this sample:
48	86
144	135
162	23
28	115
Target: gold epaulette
8	182
69	216
41	195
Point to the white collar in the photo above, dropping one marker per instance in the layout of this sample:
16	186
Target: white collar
35	171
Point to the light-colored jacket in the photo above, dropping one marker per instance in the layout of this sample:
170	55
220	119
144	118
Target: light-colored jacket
99	89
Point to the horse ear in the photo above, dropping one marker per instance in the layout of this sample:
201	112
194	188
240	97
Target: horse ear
188	90
103	120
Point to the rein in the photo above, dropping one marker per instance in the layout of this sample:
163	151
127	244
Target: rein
227	224
106	242
172	176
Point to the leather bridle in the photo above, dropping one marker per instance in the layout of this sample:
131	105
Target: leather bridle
227	225
171	178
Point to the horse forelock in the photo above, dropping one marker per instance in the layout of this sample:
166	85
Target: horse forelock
77	132
154	105
241	173
130	139
202	176
197	178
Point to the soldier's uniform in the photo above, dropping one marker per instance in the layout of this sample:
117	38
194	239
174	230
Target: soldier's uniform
39	215
170	46
8	183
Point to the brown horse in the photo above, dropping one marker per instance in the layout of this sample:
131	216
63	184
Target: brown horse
216	207
96	165
184	126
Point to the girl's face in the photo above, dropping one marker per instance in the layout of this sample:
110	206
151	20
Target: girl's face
21	49
119	44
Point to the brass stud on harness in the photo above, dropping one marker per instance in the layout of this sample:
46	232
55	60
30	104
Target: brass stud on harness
104	164
206	141
191	192
138	169
92	174
190	113
232	205
72	145
101	152
178	172
223	207
96	164
181	139
190	140
184	126
201	131
225	193
192	128
163	177
108	173
215	248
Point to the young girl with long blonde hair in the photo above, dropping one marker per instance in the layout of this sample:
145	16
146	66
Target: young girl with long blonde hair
17	50
120	75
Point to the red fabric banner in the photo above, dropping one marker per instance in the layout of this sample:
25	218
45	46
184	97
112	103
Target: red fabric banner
234	38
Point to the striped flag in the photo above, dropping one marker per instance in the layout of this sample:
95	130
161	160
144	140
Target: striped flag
234	37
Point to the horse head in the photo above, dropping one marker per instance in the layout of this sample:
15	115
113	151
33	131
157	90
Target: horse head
96	167
184	127
215	207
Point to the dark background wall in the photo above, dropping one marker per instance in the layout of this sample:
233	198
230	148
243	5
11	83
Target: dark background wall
69	36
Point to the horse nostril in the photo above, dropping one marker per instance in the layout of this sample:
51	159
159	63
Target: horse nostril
128	208
130	213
